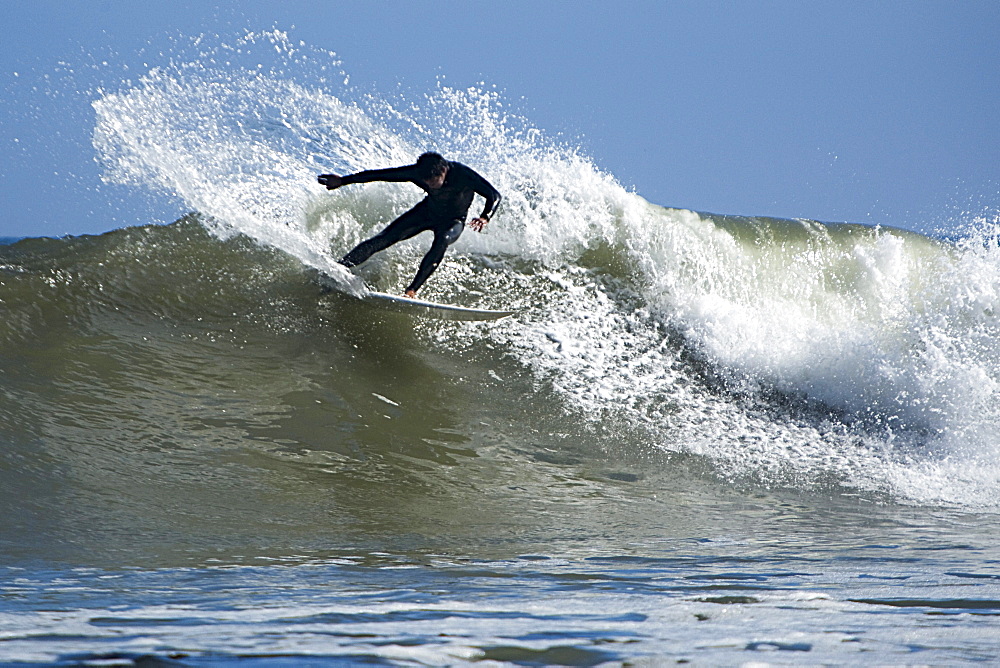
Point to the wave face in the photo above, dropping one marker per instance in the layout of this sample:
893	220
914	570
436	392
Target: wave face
776	353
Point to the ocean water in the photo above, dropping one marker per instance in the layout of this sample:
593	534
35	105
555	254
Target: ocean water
704	439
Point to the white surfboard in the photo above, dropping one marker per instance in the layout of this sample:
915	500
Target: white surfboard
409	305
432	309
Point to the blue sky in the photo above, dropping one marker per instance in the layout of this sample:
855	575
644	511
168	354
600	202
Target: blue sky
872	112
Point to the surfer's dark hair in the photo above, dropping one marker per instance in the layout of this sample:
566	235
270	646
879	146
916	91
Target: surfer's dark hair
431	164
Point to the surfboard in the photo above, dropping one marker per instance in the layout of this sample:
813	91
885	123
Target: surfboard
432	309
410	305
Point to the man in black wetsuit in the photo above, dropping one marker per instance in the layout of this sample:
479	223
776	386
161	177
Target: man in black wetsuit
450	188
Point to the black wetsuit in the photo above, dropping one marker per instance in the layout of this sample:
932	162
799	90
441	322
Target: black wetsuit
443	211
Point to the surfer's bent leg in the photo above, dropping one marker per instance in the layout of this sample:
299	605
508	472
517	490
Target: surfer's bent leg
408	225
444	236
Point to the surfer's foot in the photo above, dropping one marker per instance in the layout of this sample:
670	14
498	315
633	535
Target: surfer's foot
412	294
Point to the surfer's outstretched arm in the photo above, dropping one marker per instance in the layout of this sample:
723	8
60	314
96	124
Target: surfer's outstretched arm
394	174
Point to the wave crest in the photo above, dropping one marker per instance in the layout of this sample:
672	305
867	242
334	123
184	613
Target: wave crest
865	354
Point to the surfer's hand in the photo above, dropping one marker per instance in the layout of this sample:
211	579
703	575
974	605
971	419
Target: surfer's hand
478	223
331	181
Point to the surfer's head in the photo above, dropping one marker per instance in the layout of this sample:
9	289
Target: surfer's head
432	169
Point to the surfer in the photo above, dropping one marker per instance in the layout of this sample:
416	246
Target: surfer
450	188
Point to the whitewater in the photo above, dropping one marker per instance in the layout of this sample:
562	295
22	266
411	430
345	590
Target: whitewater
707	438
